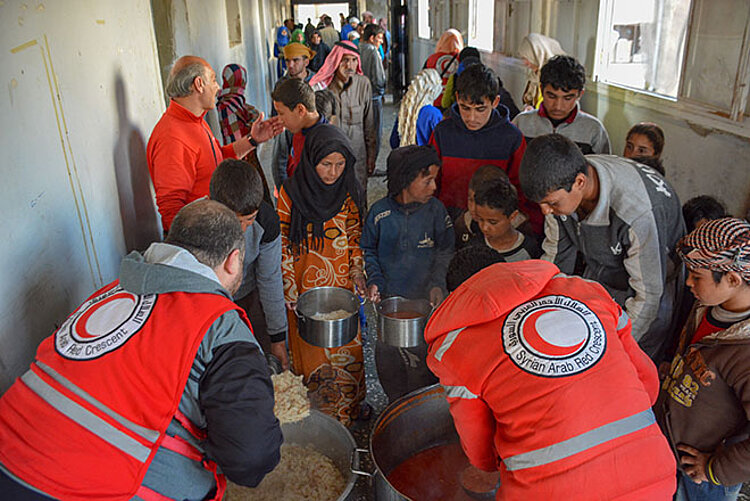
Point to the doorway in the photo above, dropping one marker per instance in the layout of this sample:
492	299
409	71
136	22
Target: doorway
313	11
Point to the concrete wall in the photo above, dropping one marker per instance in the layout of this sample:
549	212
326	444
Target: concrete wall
83	84
82	93
379	8
200	27
704	153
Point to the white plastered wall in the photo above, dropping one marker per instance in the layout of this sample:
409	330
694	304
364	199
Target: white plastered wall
83	90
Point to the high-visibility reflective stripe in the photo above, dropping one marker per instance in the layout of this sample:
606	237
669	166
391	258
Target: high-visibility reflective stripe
623	321
150	435
458	392
86	418
582	442
447	342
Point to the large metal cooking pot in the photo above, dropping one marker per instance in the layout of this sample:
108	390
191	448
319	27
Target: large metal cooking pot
411	424
327	333
402	332
331	438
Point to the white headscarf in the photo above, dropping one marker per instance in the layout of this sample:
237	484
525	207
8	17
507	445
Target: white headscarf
423	90
537	49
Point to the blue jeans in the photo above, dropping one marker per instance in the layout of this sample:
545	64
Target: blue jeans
687	490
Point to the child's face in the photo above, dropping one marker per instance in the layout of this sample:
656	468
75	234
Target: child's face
423	187
638	145
247	220
564	203
705	290
475	116
493	223
293	120
558	103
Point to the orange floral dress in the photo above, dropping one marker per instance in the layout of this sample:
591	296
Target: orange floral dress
334	377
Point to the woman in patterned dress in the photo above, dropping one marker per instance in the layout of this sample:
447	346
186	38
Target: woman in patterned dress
319	210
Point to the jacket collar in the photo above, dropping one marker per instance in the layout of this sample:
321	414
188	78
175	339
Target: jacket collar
739	332
178	111
498	117
600	215
570	118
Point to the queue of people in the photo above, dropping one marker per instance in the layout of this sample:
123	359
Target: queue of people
571	355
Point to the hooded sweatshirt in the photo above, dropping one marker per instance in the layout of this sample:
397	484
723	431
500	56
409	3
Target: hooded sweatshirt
462	151
705	398
546	384
229	390
228	393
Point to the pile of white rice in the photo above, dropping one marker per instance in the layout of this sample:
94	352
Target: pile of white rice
332	315
303	474
290	397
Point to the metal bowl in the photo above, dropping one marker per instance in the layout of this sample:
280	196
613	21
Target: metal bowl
411	424
327	333
402	332
331	438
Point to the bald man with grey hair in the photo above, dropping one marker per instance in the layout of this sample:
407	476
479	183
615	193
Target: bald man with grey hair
182	151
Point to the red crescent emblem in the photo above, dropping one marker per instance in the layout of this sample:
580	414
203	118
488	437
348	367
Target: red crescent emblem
83	319
535	341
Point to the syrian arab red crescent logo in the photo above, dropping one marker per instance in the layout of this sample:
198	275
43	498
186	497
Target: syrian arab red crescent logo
553	336
103	323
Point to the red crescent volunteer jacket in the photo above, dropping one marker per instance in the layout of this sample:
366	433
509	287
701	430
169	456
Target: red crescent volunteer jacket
546	384
110	381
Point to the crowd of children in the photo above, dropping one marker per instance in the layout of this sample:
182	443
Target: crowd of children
468	188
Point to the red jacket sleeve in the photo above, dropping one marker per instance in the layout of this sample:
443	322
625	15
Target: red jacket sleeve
475	424
228	151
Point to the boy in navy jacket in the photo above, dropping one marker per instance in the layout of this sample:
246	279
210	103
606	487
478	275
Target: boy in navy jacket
408	243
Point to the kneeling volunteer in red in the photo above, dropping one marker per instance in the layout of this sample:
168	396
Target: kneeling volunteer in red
546	384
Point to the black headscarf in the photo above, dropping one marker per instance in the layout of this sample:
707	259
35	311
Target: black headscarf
313	201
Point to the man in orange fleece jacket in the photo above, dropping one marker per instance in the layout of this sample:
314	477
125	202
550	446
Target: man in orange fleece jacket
546	385
182	151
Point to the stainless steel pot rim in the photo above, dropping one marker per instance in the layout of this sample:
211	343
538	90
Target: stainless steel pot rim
356	302
382	304
350	476
395	409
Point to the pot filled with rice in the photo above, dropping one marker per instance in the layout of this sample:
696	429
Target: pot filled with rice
317	456
328	316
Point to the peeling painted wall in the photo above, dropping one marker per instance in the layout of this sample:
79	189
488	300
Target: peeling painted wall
82	91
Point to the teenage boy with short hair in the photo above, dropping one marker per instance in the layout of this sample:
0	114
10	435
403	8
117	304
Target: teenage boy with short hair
261	293
475	134
703	404
562	80
407	242
294	102
495	207
622	218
